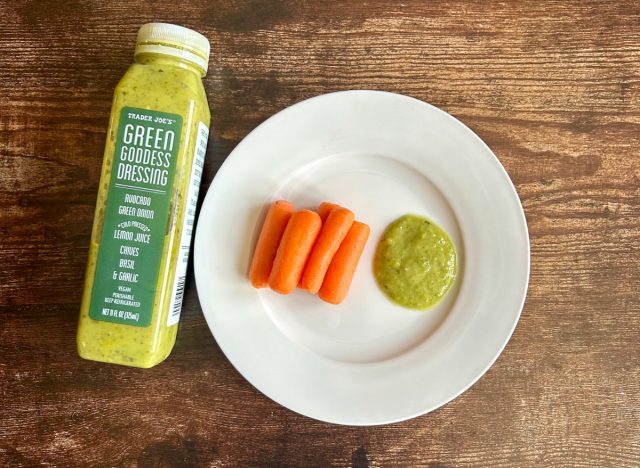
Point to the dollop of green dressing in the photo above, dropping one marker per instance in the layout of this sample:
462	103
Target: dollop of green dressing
415	262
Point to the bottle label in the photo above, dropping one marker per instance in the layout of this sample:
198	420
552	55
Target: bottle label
187	224
136	217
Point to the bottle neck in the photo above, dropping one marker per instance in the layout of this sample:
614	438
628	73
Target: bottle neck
162	60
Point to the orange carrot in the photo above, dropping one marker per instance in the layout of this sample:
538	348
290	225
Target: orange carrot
333	232
340	273
325	208
274	225
293	252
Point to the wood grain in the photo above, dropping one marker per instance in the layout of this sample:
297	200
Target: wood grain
552	86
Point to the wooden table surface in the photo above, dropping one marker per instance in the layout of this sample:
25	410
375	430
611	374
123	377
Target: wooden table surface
552	87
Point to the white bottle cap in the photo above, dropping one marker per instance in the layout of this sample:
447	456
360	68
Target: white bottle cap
174	40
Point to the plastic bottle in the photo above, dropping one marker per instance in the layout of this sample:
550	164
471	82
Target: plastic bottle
144	217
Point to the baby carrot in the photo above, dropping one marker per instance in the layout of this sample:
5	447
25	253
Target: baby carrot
333	232
293	252
325	208
340	273
274	225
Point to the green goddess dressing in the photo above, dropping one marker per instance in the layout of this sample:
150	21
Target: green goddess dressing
415	262
153	160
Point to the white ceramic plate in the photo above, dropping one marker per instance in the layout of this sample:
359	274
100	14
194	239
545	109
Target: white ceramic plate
366	361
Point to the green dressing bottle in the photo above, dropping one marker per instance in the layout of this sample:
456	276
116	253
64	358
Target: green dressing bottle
153	161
